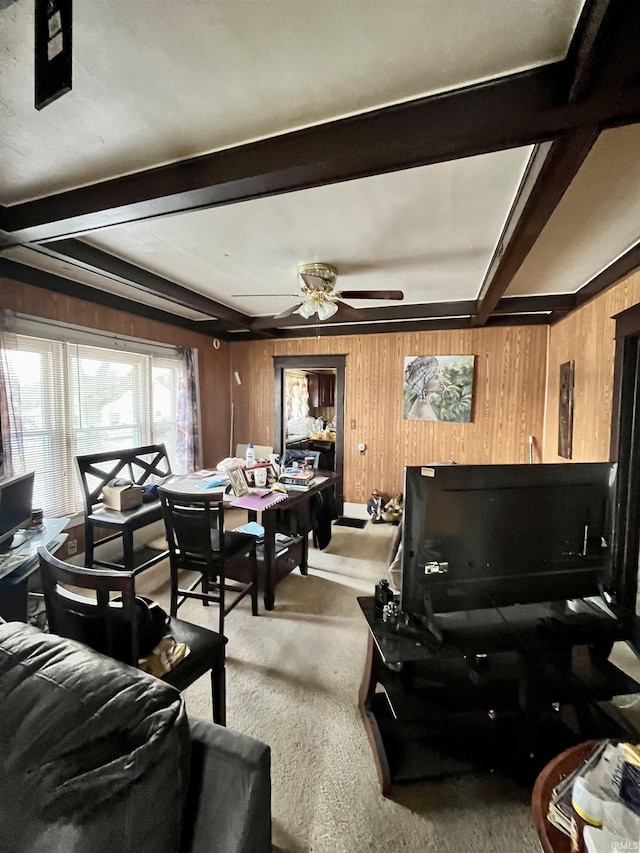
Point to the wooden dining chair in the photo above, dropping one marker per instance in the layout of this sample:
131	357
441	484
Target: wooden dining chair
143	466
224	560
107	621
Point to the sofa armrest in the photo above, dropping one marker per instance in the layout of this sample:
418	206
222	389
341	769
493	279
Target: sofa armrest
228	806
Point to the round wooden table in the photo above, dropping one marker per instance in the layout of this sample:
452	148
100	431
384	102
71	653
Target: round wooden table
552	839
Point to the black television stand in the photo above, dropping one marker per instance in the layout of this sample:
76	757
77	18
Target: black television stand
494	695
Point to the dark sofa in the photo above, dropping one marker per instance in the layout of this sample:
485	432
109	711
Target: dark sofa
98	756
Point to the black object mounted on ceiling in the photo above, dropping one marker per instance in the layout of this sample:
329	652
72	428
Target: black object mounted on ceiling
52	50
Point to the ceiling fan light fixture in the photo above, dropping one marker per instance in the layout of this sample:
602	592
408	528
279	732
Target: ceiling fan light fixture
325	275
317	283
326	309
306	310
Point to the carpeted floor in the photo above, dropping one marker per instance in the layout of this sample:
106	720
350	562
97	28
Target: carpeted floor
293	677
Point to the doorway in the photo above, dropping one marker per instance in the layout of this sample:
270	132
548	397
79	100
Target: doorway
324	375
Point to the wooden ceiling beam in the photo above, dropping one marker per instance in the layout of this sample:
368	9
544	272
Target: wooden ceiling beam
535	304
389	312
603	54
424	324
548	176
101	262
563	106
323	329
512	310
461	310
615	272
587	47
459	123
58	284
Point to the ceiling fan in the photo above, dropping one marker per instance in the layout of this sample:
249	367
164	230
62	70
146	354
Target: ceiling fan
317	283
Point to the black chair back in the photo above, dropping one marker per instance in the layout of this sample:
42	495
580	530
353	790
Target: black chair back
195	530
144	466
109	621
109	626
225	561
140	465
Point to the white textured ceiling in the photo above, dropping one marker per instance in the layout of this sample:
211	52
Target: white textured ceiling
430	231
597	220
155	82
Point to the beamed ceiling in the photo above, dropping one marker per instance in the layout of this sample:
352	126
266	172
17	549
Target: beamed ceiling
482	156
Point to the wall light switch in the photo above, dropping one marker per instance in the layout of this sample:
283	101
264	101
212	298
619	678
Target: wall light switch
353	424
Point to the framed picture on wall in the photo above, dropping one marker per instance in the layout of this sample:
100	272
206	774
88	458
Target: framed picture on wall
565	410
438	388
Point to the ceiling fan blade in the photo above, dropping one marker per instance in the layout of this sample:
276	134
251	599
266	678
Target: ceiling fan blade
288	312
314	281
372	294
348	312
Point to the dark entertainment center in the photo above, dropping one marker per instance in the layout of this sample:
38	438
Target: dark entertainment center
499	657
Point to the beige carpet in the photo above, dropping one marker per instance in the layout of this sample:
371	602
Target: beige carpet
293	677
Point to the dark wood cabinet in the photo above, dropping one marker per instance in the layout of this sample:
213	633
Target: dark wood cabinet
321	389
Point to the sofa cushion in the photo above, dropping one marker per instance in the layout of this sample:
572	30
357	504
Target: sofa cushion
94	755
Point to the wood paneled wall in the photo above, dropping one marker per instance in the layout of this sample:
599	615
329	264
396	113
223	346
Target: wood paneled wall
587	337
213	363
509	399
512	375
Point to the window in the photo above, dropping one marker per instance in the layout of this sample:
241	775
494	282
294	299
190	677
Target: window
72	398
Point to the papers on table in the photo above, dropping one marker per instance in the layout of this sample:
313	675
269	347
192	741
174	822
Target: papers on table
214	483
253	528
197	481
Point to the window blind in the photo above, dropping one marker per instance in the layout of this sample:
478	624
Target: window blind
78	398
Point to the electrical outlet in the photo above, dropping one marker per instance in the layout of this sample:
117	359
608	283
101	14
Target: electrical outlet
72	547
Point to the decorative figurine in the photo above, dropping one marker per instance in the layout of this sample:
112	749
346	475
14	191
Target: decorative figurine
393	509
375	507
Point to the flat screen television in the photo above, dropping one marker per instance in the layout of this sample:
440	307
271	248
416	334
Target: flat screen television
485	536
16	496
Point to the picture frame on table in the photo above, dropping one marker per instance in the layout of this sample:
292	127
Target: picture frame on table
249	475
238	481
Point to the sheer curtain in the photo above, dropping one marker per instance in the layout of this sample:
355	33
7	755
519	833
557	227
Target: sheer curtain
11	443
296	395
187	437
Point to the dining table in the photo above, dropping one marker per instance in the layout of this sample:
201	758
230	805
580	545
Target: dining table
279	555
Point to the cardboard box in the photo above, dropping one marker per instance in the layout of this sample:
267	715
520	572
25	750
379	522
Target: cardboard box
122	497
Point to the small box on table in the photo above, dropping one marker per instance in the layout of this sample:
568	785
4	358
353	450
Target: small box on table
122	497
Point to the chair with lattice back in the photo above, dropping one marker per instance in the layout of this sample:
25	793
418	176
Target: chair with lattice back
140	465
